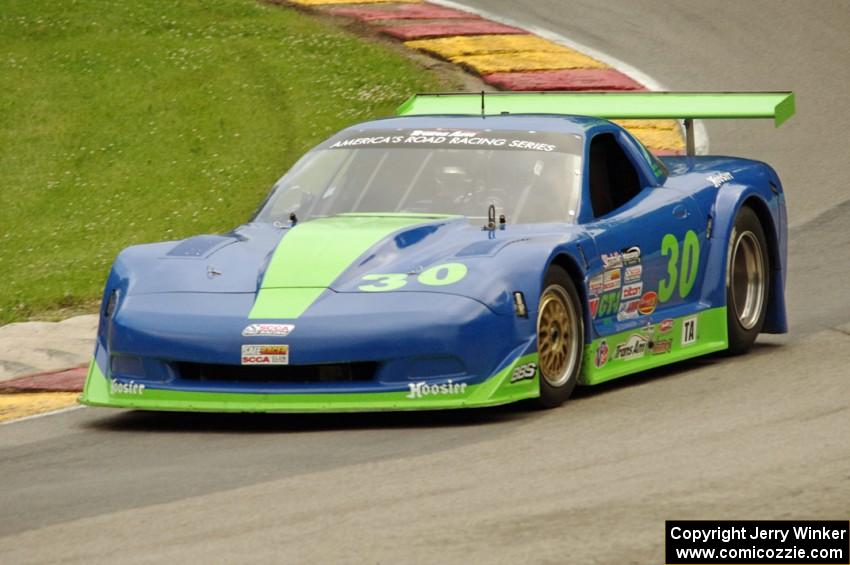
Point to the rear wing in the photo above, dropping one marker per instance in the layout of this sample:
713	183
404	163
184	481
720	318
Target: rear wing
686	106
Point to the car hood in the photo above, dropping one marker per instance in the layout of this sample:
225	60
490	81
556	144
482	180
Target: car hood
349	253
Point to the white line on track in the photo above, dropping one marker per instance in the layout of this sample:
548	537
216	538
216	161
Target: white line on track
43	414
700	133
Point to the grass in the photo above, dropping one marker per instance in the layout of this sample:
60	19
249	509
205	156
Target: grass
124	122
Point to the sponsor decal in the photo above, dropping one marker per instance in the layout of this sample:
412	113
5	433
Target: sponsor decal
601	356
524	372
665	326
611	279
608	304
456	133
265	355
661	346
263	330
628	310
448	138
647	303
121	387
423	389
631	256
689	331
594	306
633	273
633	348
632	291
719	179
595	284
612	260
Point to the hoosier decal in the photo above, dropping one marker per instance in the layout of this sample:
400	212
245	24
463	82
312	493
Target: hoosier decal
122	387
423	389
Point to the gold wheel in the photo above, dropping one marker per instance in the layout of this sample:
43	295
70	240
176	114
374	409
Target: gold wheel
558	336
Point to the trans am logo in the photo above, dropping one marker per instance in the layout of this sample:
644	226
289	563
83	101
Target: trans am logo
633	348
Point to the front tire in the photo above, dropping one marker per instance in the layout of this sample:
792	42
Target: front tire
560	338
747	281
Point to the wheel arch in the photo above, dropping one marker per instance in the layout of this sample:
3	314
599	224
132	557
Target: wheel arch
775	318
769	209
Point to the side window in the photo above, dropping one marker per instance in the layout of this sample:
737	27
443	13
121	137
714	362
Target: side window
613	179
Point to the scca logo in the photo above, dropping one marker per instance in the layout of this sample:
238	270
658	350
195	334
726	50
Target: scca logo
249	359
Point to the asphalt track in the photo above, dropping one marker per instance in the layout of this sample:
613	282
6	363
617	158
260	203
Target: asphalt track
760	436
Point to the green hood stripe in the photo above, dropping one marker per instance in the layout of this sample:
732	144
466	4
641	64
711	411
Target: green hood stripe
314	254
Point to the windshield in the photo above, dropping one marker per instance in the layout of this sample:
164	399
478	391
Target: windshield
528	176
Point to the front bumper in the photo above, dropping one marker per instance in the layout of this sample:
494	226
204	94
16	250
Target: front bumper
428	350
101	390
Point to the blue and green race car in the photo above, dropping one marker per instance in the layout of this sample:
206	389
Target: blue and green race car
475	250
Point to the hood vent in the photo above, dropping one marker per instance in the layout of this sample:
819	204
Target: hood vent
200	247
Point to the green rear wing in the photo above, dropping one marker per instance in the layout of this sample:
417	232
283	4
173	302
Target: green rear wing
686	106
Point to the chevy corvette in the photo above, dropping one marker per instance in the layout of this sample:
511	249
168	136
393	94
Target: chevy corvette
476	249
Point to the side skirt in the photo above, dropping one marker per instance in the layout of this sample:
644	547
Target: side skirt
654	345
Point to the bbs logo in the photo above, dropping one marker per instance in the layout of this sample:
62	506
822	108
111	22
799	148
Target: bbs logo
524	372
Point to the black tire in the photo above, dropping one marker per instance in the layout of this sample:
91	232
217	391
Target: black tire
556	388
746	293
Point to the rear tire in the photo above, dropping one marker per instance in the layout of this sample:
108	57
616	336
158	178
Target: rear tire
747	281
560	338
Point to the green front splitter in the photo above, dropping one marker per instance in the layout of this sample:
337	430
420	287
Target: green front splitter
496	390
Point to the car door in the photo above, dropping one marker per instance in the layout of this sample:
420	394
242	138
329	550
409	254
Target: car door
647	263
